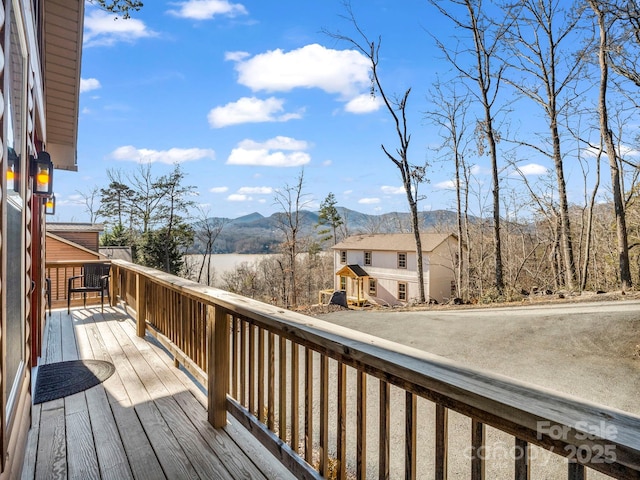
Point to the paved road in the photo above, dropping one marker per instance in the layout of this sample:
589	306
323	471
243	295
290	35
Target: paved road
589	350
586	349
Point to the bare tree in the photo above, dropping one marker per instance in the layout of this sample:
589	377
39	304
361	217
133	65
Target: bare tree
412	174
291	200
207	231
546	49
487	73
607	135
450	114
91	202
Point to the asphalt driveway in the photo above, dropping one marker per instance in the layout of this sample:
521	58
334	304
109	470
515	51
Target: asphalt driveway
591	350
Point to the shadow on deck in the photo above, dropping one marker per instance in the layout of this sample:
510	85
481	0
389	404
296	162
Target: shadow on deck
148	420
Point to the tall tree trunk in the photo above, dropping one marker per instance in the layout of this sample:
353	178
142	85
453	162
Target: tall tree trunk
607	135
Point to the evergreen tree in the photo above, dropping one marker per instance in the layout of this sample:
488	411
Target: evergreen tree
329	218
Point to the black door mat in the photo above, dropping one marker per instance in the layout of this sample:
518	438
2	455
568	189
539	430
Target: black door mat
57	380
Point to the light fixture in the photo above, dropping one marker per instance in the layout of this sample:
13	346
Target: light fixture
13	171
50	205
42	172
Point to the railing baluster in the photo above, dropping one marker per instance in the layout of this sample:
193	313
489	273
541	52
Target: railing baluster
477	456
341	440
295	397
252	369
324	415
361	422
522	466
261	414
410	436
271	382
282	391
385	431
576	471
234	356
308	405
243	362
442	439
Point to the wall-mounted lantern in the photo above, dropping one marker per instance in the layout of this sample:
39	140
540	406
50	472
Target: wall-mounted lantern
50	205
42	172
13	171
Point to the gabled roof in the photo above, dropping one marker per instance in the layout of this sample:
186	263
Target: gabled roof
396	242
75	245
352	271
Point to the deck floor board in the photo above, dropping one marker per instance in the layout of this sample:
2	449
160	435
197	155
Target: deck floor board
147	421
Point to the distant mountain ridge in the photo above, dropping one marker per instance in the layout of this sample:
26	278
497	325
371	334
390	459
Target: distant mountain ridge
255	233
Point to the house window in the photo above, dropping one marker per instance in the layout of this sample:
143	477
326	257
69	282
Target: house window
343	256
343	283
13	240
367	258
402	291
402	260
372	287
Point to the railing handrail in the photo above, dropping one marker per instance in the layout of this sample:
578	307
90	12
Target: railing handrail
514	406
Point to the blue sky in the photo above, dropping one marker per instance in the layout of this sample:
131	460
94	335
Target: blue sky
244	95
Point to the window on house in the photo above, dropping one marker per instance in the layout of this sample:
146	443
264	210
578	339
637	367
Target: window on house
343	283
343	256
367	258
402	260
402	291
372	287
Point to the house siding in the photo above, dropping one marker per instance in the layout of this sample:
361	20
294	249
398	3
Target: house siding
437	268
89	240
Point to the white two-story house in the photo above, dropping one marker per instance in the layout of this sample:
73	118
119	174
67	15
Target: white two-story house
383	268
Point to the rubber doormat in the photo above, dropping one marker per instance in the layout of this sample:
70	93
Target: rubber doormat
57	380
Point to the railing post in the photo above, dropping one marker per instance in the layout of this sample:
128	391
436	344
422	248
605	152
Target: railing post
218	364
113	284
141	306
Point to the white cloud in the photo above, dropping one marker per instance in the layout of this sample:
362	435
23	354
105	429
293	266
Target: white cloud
271	153
171	156
392	190
219	189
277	143
255	190
369	201
250	110
207	9
241	156
364	103
531	169
236	197
623	150
327	163
88	84
341	72
102	29
236	56
446	185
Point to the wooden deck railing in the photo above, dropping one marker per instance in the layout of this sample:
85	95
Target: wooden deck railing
329	401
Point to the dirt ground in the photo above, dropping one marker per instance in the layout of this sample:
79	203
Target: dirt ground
584	347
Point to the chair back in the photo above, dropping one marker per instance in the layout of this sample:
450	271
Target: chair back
93	273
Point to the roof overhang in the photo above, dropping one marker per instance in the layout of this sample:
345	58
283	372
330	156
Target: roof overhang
63	22
353	271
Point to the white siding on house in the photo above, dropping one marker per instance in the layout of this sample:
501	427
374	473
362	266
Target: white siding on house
437	265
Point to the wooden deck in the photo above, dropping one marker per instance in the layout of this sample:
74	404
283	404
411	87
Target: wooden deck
147	421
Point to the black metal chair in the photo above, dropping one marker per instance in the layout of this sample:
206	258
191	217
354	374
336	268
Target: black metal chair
47	292
94	279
